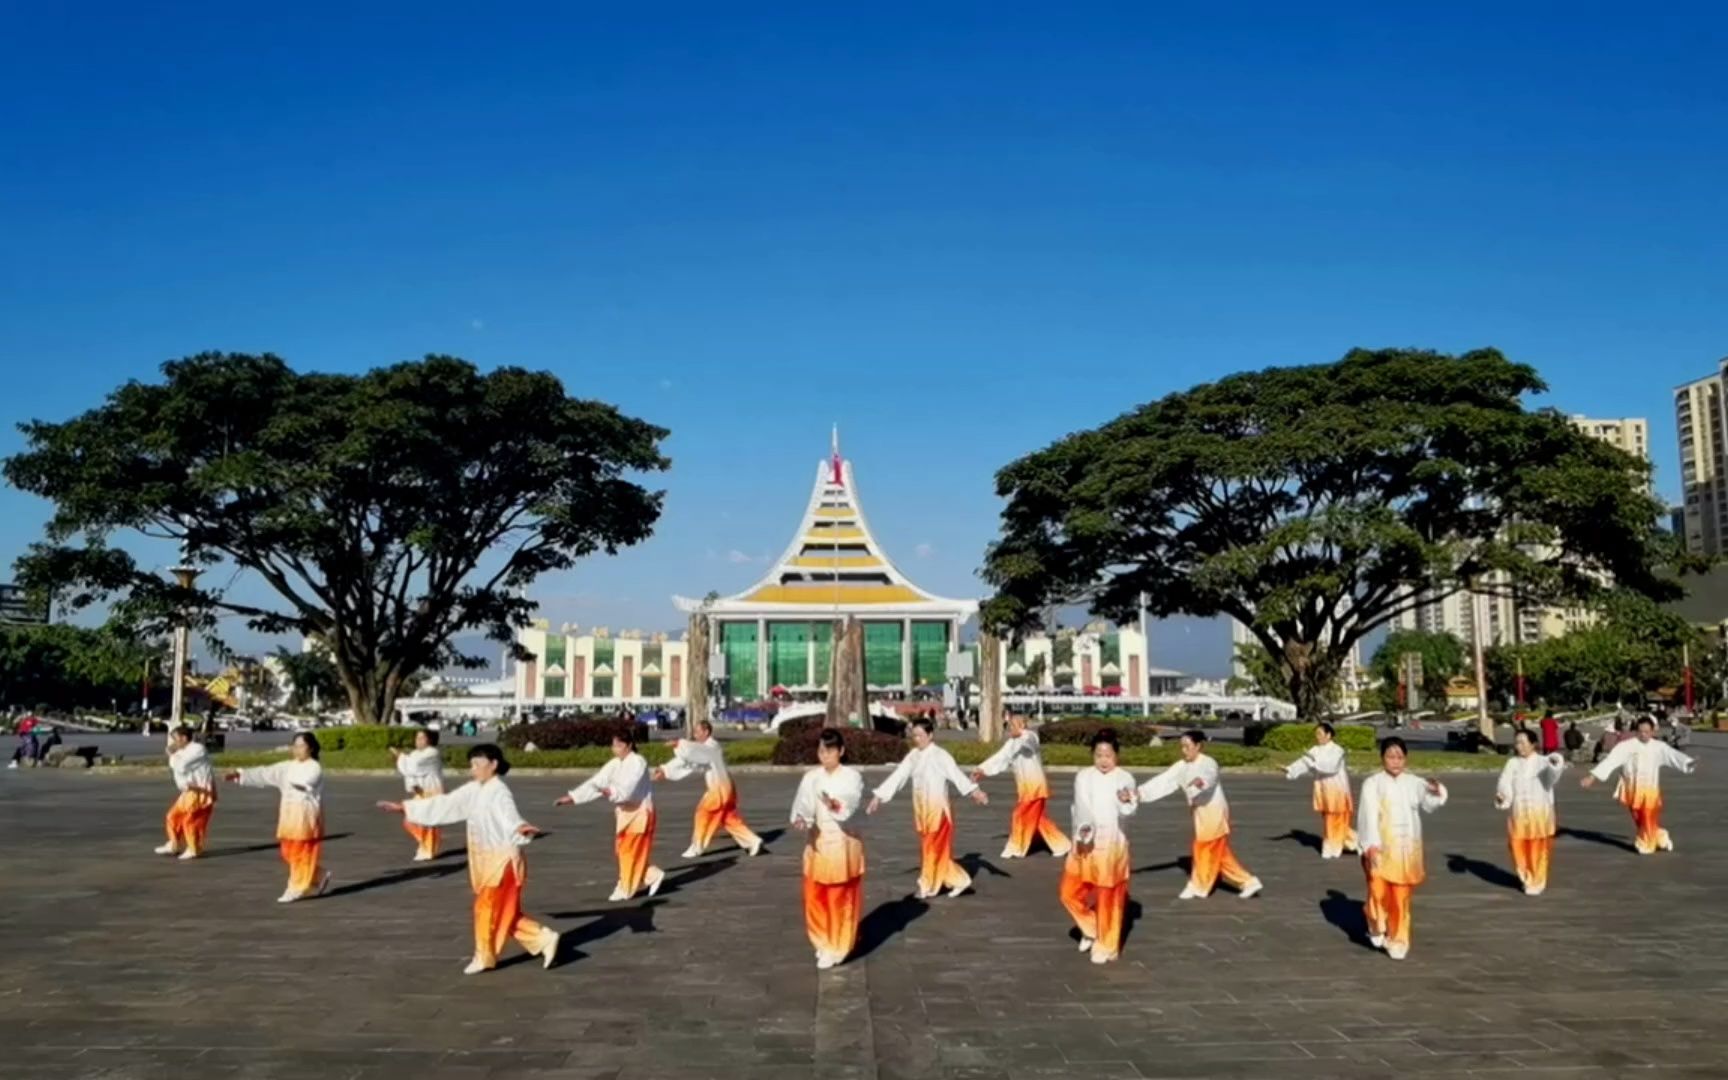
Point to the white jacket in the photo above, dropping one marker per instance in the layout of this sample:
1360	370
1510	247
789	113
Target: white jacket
422	770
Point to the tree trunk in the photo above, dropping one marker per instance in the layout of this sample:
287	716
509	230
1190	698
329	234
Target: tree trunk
696	672
989	687
846	693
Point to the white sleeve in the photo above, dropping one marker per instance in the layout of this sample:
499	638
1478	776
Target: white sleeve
1431	802
995	763
1165	783
1503	789
589	789
405	763
1301	767
849	793
436	810
803	803
1552	767
1368	816
962	783
679	766
1675	760
1080	814
1208	776
264	775
896	780
1616	758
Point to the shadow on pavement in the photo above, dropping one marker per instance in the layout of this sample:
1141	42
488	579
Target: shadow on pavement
1485	871
400	877
602	924
217	853
1184	864
1594	837
974	863
1301	836
884	922
1347	915
680	877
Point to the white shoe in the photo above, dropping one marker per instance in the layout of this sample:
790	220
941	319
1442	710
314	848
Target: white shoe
288	897
421	856
656	877
189	853
323	885
12	765
549	951
756	848
1664	842
1010	853
1189	892
1329	854
922	894
475	967
618	895
166	849
958	889
691	852
1251	889
1535	890
1377	940
1101	957
1085	944
1397	951
1063	854
824	962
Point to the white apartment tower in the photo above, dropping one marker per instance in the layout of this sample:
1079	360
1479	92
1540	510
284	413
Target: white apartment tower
1703	475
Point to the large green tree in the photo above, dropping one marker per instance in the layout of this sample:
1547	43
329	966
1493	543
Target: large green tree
387	511
1314	504
74	666
1442	658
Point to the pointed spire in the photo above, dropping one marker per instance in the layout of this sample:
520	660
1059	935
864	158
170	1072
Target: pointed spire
835	444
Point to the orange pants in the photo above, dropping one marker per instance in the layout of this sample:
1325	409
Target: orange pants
1338	834
831	915
936	868
1647	820
1388	910
189	820
427	838
1096	910
719	811
302	859
498	918
1030	821
1214	859
1530	857
635	852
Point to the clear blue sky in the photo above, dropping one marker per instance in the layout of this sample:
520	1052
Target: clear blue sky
958	230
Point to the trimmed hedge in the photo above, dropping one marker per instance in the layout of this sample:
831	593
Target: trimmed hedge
366	737
571	734
862	747
1296	738
1079	730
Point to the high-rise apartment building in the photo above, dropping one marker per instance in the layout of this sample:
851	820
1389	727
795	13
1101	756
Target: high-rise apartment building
1703	473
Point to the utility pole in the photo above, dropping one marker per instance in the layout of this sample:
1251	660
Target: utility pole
1477	630
184	575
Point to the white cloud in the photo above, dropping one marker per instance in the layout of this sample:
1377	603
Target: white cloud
924	550
477	324
738	557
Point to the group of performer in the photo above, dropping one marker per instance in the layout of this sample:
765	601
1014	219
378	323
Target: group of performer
1383	823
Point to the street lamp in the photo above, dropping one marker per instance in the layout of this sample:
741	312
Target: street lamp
184	575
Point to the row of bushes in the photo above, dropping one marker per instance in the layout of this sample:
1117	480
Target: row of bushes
571	733
1079	731
1295	738
798	746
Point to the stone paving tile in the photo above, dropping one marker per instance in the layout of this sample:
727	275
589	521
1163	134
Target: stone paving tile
117	963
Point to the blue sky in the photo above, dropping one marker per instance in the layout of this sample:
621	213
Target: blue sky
959	231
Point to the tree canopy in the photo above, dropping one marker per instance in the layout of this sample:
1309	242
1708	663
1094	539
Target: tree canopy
387	511
1442	658
1316	503
1630	648
67	667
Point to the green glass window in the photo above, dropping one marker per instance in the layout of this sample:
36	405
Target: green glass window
604	650
929	653
602	686
882	654
788	654
555	649
738	642
650	686
822	634
554	687
1110	649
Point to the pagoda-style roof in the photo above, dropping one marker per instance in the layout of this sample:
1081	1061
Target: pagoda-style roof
834	565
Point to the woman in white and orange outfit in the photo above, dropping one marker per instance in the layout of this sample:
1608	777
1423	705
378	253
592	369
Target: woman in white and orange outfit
422	770
1526	789
931	769
189	818
1640	762
1389	828
1326	761
718	808
300	821
1095	875
826	809
496	869
624	783
1031	790
1196	777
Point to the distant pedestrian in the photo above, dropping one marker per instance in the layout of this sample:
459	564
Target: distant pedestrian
1550	733
189	818
1574	738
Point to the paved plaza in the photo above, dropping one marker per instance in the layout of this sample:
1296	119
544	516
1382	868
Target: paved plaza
118	963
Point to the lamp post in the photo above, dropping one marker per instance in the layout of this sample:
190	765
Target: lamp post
184	575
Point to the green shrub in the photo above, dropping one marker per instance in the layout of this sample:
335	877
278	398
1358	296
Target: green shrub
1295	738
366	737
862	747
1079	730
570	733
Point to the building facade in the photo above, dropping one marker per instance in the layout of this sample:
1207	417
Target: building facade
1698	423
598	667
